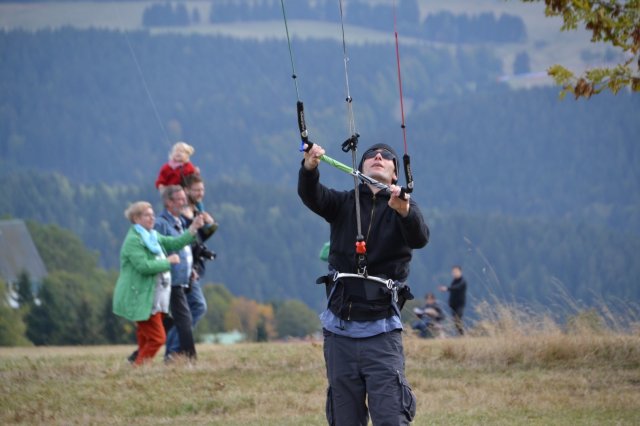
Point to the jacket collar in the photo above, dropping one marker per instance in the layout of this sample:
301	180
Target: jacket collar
365	190
166	214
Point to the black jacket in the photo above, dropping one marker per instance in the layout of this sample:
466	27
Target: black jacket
457	293
390	237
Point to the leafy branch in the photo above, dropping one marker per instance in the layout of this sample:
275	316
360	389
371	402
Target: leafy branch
609	21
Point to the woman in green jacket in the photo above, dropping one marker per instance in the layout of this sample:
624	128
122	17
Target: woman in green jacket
144	286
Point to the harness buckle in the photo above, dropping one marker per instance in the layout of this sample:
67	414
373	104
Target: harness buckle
393	287
361	255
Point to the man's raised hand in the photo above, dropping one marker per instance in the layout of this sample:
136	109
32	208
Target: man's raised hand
312	158
397	203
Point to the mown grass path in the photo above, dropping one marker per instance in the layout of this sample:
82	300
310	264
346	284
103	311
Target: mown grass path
543	380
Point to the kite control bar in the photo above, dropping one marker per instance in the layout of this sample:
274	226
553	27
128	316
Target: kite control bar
302	125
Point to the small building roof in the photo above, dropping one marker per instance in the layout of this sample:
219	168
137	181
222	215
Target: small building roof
18	253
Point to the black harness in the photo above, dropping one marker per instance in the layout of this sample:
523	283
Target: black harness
358	297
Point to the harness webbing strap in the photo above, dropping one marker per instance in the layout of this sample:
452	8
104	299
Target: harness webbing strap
391	285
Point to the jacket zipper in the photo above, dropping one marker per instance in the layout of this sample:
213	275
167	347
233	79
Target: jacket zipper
349	314
373	211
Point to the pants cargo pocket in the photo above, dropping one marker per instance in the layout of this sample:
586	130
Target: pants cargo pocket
408	398
329	407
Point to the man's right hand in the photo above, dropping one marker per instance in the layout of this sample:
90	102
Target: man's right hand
173	259
312	158
197	223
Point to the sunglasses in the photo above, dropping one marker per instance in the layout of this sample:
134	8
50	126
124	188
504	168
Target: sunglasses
383	153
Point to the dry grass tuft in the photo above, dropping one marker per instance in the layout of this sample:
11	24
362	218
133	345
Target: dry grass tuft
507	335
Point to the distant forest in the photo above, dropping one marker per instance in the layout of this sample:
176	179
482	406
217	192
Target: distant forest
442	26
82	111
528	192
268	243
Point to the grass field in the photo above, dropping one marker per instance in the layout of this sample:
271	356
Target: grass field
549	379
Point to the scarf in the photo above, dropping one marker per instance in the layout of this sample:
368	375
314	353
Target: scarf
174	164
149	238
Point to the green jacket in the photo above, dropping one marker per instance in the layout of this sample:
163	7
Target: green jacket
133	295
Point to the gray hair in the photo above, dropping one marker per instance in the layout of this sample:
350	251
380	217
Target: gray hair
169	191
136	209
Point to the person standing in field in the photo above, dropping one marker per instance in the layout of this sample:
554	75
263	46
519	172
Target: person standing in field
143	288
457	297
361	326
171	223
194	188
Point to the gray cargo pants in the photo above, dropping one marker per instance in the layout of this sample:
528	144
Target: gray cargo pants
367	370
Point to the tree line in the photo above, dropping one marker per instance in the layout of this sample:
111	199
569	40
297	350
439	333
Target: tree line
167	14
268	243
445	26
472	140
63	99
532	262
72	306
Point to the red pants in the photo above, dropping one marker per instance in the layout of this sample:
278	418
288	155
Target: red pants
151	337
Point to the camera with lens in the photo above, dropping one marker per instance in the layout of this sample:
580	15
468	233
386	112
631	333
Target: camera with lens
202	252
205	253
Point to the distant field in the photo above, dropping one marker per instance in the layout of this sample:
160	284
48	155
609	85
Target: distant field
546	45
590	379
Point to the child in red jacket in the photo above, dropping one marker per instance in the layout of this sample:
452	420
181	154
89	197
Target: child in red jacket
178	167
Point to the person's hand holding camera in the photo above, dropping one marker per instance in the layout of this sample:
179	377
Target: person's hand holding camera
198	222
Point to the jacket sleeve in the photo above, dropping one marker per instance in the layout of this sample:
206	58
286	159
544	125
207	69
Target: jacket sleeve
168	242
318	198
171	244
135	251
162	175
188	168
203	233
458	285
416	230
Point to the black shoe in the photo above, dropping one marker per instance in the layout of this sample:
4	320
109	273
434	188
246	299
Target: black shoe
132	358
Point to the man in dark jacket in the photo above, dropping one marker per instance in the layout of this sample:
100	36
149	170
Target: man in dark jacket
170	222
457	297
194	189
362	327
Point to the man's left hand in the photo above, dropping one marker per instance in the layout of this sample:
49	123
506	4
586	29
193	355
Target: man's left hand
397	203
